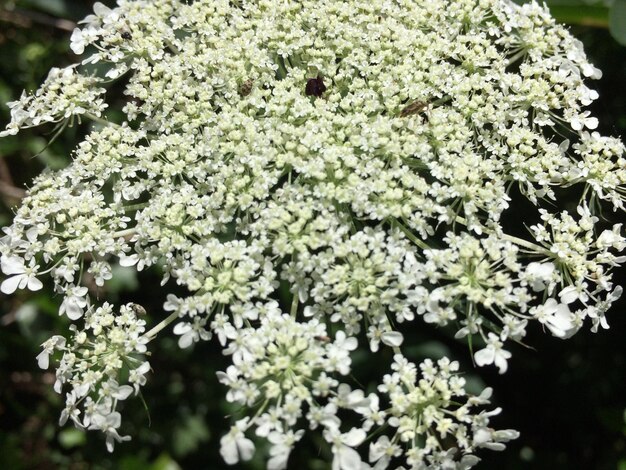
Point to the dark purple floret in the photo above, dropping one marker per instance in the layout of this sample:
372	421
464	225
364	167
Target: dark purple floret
315	87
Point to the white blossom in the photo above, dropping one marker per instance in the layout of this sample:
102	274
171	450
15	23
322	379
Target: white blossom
308	186
23	277
234	446
493	354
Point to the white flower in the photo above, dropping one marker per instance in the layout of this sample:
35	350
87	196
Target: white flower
255	161
137	376
71	411
540	275
597	312
571	294
22	276
493	354
191	333
344	455
74	302
235	446
492	439
77	41
108	424
583	120
557	317
102	14
282	444
117	391
373	415
56	342
382	451
612	238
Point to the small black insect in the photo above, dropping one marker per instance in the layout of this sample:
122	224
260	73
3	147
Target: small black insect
127	36
315	86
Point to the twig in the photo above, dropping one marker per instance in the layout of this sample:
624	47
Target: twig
26	18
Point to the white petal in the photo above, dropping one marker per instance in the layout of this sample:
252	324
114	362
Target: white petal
127	261
101	9
348	459
246	448
567	295
228	450
43	359
186	340
77	42
182	328
34	284
72	310
12	265
123	392
11	284
354	437
392	338
591	123
484	357
278	462
500	361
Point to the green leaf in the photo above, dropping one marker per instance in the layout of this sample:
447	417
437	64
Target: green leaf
54	7
583	15
72	438
164	462
189	435
617	21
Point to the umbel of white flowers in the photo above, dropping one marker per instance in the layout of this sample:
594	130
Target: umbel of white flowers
369	157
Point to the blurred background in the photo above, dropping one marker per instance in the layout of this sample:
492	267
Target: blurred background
567	398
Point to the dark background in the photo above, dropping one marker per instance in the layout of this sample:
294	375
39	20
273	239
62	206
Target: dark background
567	398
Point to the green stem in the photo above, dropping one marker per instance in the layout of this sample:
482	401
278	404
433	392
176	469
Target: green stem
526	244
410	235
294	305
518	241
135	207
154	331
100	120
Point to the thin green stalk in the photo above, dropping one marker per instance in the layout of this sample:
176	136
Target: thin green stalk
154	331
100	120
410	235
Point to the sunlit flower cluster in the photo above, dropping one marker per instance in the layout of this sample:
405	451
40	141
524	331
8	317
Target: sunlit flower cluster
316	178
95	360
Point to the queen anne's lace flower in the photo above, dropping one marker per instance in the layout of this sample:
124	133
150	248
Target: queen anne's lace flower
314	176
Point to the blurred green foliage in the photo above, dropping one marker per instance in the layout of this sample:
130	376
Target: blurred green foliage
567	398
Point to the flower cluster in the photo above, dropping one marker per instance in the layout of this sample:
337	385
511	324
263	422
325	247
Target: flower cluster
285	370
359	166
425	411
95	360
281	367
65	94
